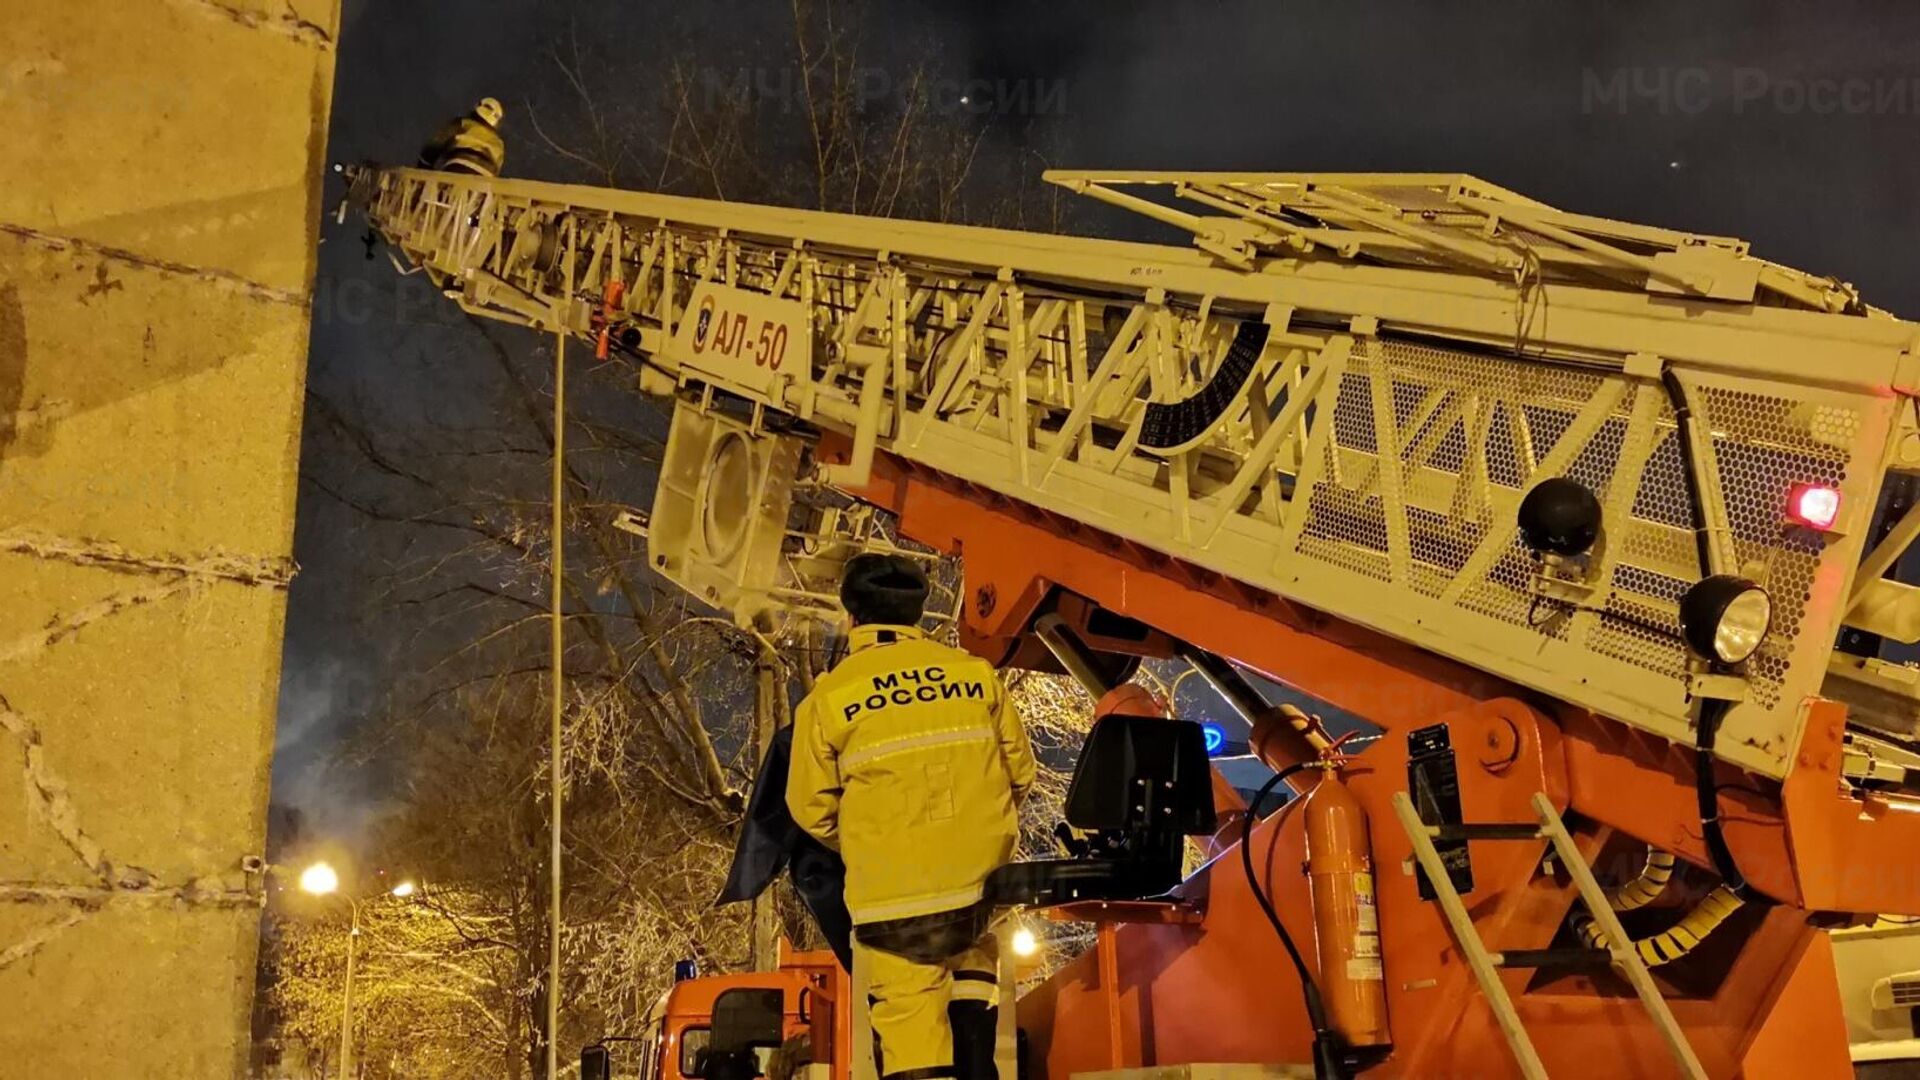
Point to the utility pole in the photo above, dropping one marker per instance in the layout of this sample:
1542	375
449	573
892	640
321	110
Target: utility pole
346	997
769	701
556	766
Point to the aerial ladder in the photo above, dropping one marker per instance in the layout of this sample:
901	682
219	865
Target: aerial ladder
1573	510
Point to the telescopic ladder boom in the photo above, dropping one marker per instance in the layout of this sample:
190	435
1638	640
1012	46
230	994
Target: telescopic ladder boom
1338	395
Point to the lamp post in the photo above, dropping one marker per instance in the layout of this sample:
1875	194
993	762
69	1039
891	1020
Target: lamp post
321	880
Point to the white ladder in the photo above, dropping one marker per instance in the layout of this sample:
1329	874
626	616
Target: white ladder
1485	964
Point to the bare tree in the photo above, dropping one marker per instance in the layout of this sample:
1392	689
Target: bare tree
834	117
668	704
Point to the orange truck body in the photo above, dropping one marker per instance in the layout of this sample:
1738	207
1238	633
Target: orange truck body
812	986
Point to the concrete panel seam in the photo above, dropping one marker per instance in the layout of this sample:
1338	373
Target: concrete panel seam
32	943
55	806
181	575
289	25
244	286
48	413
95	897
105	554
27	646
114	882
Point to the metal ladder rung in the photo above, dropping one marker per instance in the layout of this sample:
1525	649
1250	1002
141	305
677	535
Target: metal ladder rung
1491	831
1479	961
1551	958
1625	957
1485	965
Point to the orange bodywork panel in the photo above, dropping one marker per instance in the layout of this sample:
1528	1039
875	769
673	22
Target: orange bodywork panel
1222	990
812	985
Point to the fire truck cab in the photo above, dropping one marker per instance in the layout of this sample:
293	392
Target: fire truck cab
735	1027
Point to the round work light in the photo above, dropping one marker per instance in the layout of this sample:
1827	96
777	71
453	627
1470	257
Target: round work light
1559	517
1725	617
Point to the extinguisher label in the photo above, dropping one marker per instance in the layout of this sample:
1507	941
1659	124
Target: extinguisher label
1369	921
1366	945
1365	969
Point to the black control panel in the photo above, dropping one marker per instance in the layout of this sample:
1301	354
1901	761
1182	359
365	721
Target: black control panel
1434	784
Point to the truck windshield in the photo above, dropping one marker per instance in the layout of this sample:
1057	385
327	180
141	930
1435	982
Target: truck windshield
692	1041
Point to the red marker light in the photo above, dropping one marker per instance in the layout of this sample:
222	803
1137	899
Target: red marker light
1814	506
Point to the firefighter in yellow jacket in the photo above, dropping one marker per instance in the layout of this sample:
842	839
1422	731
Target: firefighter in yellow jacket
909	759
470	144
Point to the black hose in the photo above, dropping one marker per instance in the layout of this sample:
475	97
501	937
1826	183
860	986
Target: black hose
1689	467
1707	788
1712	710
1326	1041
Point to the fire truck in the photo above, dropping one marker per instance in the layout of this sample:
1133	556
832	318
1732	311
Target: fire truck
1594	521
796	1011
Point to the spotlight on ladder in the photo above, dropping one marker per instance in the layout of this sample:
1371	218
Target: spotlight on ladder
1559	517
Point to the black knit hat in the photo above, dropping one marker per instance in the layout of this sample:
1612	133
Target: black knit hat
889	590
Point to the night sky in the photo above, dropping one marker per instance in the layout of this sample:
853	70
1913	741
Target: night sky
1790	124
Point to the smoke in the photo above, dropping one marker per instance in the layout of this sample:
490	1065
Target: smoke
325	795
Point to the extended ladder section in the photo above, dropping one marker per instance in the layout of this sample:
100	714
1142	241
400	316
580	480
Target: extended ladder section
1339	395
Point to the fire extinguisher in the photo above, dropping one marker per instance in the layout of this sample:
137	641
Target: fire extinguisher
1346	916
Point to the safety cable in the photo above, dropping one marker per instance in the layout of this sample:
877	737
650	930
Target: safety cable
1712	710
1326	1041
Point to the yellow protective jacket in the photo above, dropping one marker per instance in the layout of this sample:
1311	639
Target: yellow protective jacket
468	139
909	759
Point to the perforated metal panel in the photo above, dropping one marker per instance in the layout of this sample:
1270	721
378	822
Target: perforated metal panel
1472	433
1769	445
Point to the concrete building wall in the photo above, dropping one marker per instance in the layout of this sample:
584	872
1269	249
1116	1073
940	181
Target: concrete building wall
158	211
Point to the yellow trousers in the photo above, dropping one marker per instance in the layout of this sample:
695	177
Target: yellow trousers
910	1002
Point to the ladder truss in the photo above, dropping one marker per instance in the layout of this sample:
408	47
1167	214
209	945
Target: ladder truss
1328	398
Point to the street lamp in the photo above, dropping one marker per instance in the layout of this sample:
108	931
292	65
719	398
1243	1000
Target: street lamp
321	880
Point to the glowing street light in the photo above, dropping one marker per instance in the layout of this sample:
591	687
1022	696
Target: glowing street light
319	879
1025	943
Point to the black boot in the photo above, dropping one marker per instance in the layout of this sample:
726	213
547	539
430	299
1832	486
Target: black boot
973	1037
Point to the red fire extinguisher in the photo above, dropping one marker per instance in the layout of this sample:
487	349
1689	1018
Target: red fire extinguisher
1346	917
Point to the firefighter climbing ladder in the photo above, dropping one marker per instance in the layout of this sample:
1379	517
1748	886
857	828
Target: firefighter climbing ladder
1486	964
1337	396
